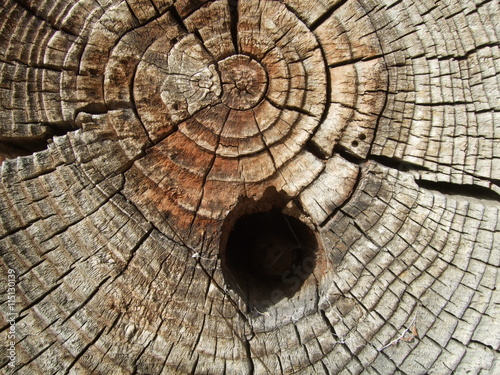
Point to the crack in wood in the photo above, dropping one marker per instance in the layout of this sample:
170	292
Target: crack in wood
356	60
234	15
463	190
87	300
427	245
248	349
397	163
327	14
37	355
84	350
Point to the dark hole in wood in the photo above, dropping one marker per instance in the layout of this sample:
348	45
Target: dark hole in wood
268	257
362	136
355	143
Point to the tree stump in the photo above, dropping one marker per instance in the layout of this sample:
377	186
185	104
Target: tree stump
250	187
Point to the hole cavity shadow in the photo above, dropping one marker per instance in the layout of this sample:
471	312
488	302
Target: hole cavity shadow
266	254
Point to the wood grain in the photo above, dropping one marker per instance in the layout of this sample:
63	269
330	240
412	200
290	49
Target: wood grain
137	136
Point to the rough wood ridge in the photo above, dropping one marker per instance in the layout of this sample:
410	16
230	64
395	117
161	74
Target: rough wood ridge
250	187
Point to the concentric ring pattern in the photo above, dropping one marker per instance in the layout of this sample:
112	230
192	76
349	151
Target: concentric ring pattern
134	134
230	105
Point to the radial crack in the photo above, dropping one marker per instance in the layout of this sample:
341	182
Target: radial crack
464	190
327	15
233	8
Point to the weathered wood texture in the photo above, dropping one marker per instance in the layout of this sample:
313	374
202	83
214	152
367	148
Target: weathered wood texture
135	134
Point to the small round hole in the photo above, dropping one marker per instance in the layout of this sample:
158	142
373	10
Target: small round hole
362	136
355	143
268	257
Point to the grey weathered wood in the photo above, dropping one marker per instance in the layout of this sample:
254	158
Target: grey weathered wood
134	135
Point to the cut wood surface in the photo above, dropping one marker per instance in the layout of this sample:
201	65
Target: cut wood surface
250	187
